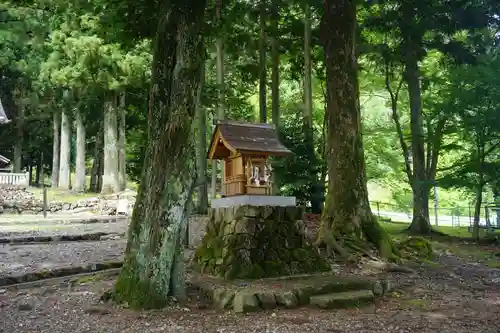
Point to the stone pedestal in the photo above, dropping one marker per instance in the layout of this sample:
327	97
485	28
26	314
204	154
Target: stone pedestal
244	242
254	200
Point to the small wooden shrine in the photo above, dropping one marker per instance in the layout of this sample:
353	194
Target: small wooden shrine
245	149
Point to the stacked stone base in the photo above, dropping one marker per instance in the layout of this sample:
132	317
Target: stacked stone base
250	242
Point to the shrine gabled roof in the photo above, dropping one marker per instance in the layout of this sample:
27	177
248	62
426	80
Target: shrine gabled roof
3	115
4	160
246	138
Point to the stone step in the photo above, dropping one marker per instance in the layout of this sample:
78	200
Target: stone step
345	299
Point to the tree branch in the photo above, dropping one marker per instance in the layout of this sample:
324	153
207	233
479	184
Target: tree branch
492	148
436	147
395	116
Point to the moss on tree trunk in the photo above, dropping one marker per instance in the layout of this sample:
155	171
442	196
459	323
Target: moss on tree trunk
153	266
347	223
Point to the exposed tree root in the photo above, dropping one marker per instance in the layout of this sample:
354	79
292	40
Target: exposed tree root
371	241
431	232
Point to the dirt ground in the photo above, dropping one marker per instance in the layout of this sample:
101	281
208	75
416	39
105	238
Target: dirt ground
449	295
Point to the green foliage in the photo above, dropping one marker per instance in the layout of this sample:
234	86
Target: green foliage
474	94
95	49
294	173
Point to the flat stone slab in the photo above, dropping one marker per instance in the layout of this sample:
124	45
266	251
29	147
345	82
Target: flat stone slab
322	289
59	272
345	299
254	200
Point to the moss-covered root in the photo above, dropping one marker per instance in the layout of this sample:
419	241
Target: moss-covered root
379	237
421	227
372	236
136	292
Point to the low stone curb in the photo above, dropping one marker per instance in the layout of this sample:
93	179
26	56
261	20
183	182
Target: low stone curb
62	238
250	298
87	220
58	272
70	279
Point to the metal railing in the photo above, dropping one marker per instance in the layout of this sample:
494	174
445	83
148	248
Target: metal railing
442	216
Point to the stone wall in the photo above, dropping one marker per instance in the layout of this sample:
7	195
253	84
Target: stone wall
254	242
18	200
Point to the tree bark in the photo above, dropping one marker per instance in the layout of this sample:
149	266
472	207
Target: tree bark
477	211
420	186
30	175
80	153
315	194
39	166
201	117
18	144
100	173
65	155
480	183
96	178
263	63
122	162
219	43
347	217
275	76
153	266
496	199
111	182
56	124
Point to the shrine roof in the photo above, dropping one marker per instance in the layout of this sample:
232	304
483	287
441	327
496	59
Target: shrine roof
245	137
4	160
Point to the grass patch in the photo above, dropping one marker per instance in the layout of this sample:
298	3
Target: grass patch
397	229
417	302
493	263
90	278
60	195
458	242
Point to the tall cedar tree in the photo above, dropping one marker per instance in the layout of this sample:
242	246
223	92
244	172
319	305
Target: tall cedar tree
348	223
153	266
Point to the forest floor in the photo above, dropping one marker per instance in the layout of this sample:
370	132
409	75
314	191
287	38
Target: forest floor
458	291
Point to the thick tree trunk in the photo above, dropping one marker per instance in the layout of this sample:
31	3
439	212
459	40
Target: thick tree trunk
56	124
80	153
479	185
347	214
39	166
18	144
100	172
477	211
263	63
30	175
496	198
219	43
96	173
122	162
275	61
316	193
153	266
275	76
420	186
65	154
111	181
420	223
201	150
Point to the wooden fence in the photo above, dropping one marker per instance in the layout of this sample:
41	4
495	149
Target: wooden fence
16	179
